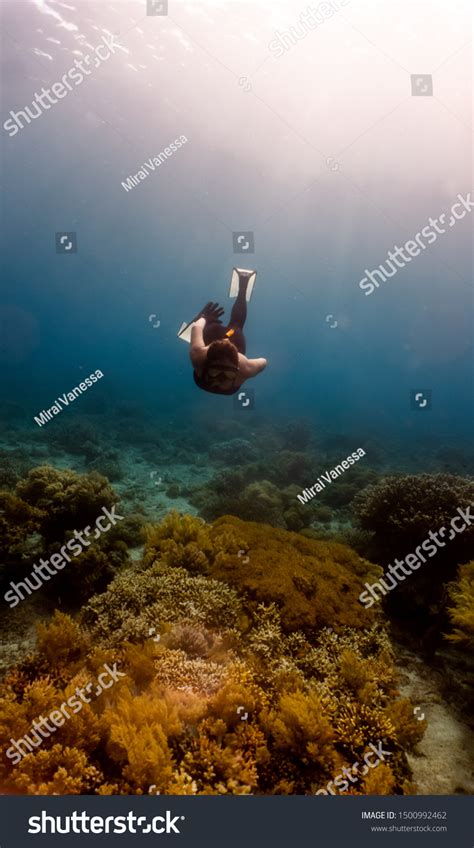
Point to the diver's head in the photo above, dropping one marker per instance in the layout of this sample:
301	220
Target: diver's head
221	366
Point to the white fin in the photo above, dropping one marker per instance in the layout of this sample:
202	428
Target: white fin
184	332
234	282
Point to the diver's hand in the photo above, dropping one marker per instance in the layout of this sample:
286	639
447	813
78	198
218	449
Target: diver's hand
212	312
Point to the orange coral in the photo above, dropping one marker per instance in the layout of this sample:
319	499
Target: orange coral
59	771
313	583
379	781
138	728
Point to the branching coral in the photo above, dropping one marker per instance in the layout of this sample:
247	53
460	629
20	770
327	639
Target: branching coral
379	781
321	586
60	771
301	724
181	540
401	513
193	640
140	729
20	525
13	465
60	647
175	670
401	510
92	570
39	517
461	611
70	500
136	600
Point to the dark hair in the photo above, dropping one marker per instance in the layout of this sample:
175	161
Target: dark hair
221	353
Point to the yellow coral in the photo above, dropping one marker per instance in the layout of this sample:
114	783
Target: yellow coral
462	609
59	771
300	724
61	644
139	728
356	723
177	540
379	781
408	729
313	583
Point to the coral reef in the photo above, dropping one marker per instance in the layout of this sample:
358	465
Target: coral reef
131	530
39	517
250	665
322	584
220	693
267	489
343	493
322	514
228	452
107	465
238	493
183	728
13	465
314	583
461	611
401	510
137	600
20	525
78	437
399	513
69	500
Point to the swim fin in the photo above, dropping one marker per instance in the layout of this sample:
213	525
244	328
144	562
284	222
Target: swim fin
239	274
185	330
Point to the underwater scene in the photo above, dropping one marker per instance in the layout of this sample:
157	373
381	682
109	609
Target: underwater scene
236	348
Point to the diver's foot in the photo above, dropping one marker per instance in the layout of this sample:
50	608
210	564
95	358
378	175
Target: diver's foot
247	283
242	281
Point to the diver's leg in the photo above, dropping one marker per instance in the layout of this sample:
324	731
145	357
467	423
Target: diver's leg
238	339
239	309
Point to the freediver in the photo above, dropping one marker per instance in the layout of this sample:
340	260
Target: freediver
217	352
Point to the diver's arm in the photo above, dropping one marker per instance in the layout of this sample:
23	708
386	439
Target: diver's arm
252	367
198	350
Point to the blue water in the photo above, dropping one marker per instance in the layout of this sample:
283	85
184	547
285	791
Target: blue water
254	161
